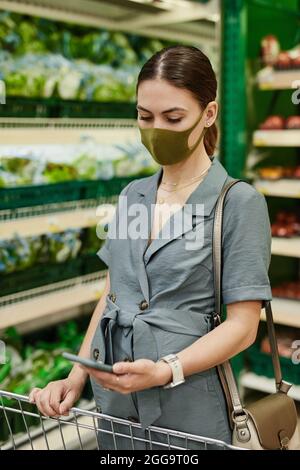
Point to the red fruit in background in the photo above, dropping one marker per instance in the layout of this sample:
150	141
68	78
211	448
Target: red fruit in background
284	60
291	217
265	346
283	231
270	49
289	172
296	62
273	123
281	216
297	172
296	227
293	122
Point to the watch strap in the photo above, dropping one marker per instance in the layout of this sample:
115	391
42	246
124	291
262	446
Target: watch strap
177	372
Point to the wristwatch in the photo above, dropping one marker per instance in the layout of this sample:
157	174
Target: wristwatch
175	364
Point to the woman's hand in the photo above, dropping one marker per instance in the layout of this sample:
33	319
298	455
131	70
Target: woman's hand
128	377
57	397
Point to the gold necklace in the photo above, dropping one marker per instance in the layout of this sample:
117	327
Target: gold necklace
183	185
161	200
190	179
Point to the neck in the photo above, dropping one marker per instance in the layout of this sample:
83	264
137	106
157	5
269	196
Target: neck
186	169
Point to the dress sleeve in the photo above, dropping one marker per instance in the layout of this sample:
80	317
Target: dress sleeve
104	253
246	240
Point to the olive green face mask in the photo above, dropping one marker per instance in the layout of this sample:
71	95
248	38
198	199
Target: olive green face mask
167	146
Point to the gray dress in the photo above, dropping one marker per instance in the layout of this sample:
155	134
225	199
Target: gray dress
161	300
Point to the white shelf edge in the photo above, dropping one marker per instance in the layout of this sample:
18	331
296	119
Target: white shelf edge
265	384
286	246
271	79
19	123
62	136
285	312
55	222
280	188
86	289
277	138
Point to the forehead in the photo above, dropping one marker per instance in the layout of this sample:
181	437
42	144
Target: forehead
158	95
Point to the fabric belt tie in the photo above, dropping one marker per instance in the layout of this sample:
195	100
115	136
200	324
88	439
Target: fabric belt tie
145	344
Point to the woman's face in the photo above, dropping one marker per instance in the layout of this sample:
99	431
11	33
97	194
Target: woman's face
164	106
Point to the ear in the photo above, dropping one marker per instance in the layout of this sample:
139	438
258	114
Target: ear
211	113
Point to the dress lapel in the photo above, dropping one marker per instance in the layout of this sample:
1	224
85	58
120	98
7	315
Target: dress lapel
206	193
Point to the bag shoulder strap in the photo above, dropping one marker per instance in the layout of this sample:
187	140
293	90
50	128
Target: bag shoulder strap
217	264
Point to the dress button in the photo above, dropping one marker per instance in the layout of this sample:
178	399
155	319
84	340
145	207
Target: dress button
96	354
112	297
143	305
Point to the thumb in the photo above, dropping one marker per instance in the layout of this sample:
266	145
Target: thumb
124	368
67	403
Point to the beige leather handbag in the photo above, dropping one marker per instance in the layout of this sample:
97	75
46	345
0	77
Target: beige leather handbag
271	422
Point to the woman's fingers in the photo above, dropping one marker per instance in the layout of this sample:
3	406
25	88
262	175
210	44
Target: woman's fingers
55	398
67	403
33	394
43	403
107	379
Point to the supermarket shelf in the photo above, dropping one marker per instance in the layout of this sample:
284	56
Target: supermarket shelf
280	138
270	79
51	300
62	134
65	123
30	222
55	107
286	246
279	188
285	312
265	384
162	19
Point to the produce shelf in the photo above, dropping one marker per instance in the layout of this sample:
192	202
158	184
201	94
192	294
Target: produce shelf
66	133
280	138
46	273
265	384
166	20
20	106
52	300
54	218
281	188
286	246
30	196
285	312
270	79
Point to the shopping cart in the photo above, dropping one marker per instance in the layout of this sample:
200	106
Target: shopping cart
23	427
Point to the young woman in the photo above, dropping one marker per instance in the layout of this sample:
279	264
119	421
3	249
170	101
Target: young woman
159	294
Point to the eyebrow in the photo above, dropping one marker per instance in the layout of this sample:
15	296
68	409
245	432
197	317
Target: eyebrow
163	112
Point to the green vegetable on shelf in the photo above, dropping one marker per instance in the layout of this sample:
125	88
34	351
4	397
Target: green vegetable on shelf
56	172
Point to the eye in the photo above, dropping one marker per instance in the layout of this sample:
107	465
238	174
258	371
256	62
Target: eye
168	119
174	120
145	119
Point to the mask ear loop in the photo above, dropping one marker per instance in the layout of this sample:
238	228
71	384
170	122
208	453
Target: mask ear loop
202	135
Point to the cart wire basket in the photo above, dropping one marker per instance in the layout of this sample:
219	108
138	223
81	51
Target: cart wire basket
23	427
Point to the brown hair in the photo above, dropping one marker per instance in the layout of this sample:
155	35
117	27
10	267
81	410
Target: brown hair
185	67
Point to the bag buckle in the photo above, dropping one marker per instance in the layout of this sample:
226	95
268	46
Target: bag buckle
284	440
240	420
216	319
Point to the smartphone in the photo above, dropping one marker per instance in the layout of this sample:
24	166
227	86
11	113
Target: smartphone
88	362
